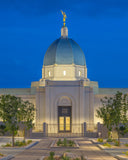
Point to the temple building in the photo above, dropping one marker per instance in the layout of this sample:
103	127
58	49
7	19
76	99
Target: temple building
64	97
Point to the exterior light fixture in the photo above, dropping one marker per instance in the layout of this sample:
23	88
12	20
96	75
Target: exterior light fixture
49	73
64	73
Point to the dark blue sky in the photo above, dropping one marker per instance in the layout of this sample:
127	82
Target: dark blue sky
28	27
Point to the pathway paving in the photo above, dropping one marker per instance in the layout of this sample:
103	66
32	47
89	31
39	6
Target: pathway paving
116	150
87	148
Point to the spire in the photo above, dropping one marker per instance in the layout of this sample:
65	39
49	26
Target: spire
64	29
64	17
64	32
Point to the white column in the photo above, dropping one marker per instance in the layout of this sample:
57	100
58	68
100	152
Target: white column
81	102
91	108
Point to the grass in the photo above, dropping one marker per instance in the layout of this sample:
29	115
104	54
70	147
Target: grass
126	153
107	145
1	155
100	140
126	144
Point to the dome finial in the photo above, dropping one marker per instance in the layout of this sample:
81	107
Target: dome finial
64	29
64	17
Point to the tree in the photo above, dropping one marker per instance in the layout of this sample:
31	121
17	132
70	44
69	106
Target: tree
114	113
2	129
120	118
105	113
9	106
26	115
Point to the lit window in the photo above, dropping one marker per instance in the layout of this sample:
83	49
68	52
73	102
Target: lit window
79	73
49	73
64	72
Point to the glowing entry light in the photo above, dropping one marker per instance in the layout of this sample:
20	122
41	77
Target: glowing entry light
64	72
79	73
49	73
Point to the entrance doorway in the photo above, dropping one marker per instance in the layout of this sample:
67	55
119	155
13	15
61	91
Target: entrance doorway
64	119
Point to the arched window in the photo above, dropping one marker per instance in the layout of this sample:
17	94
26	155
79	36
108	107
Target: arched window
79	73
64	73
49	73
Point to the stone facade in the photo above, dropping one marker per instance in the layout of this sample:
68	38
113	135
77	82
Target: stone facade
82	98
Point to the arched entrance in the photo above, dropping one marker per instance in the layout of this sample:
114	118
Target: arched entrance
64	114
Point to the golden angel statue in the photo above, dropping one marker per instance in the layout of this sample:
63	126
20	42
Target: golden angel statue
64	17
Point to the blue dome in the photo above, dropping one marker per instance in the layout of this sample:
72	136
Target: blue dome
64	51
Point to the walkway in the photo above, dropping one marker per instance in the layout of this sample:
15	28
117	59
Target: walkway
87	148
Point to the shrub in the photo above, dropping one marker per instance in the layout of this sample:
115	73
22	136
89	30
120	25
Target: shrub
126	153
16	143
65	158
109	140
22	143
51	157
82	157
116	143
126	144
65	142
100	140
107	145
2	129
114	140
7	145
19	143
59	142
29	141
71	143
1	155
